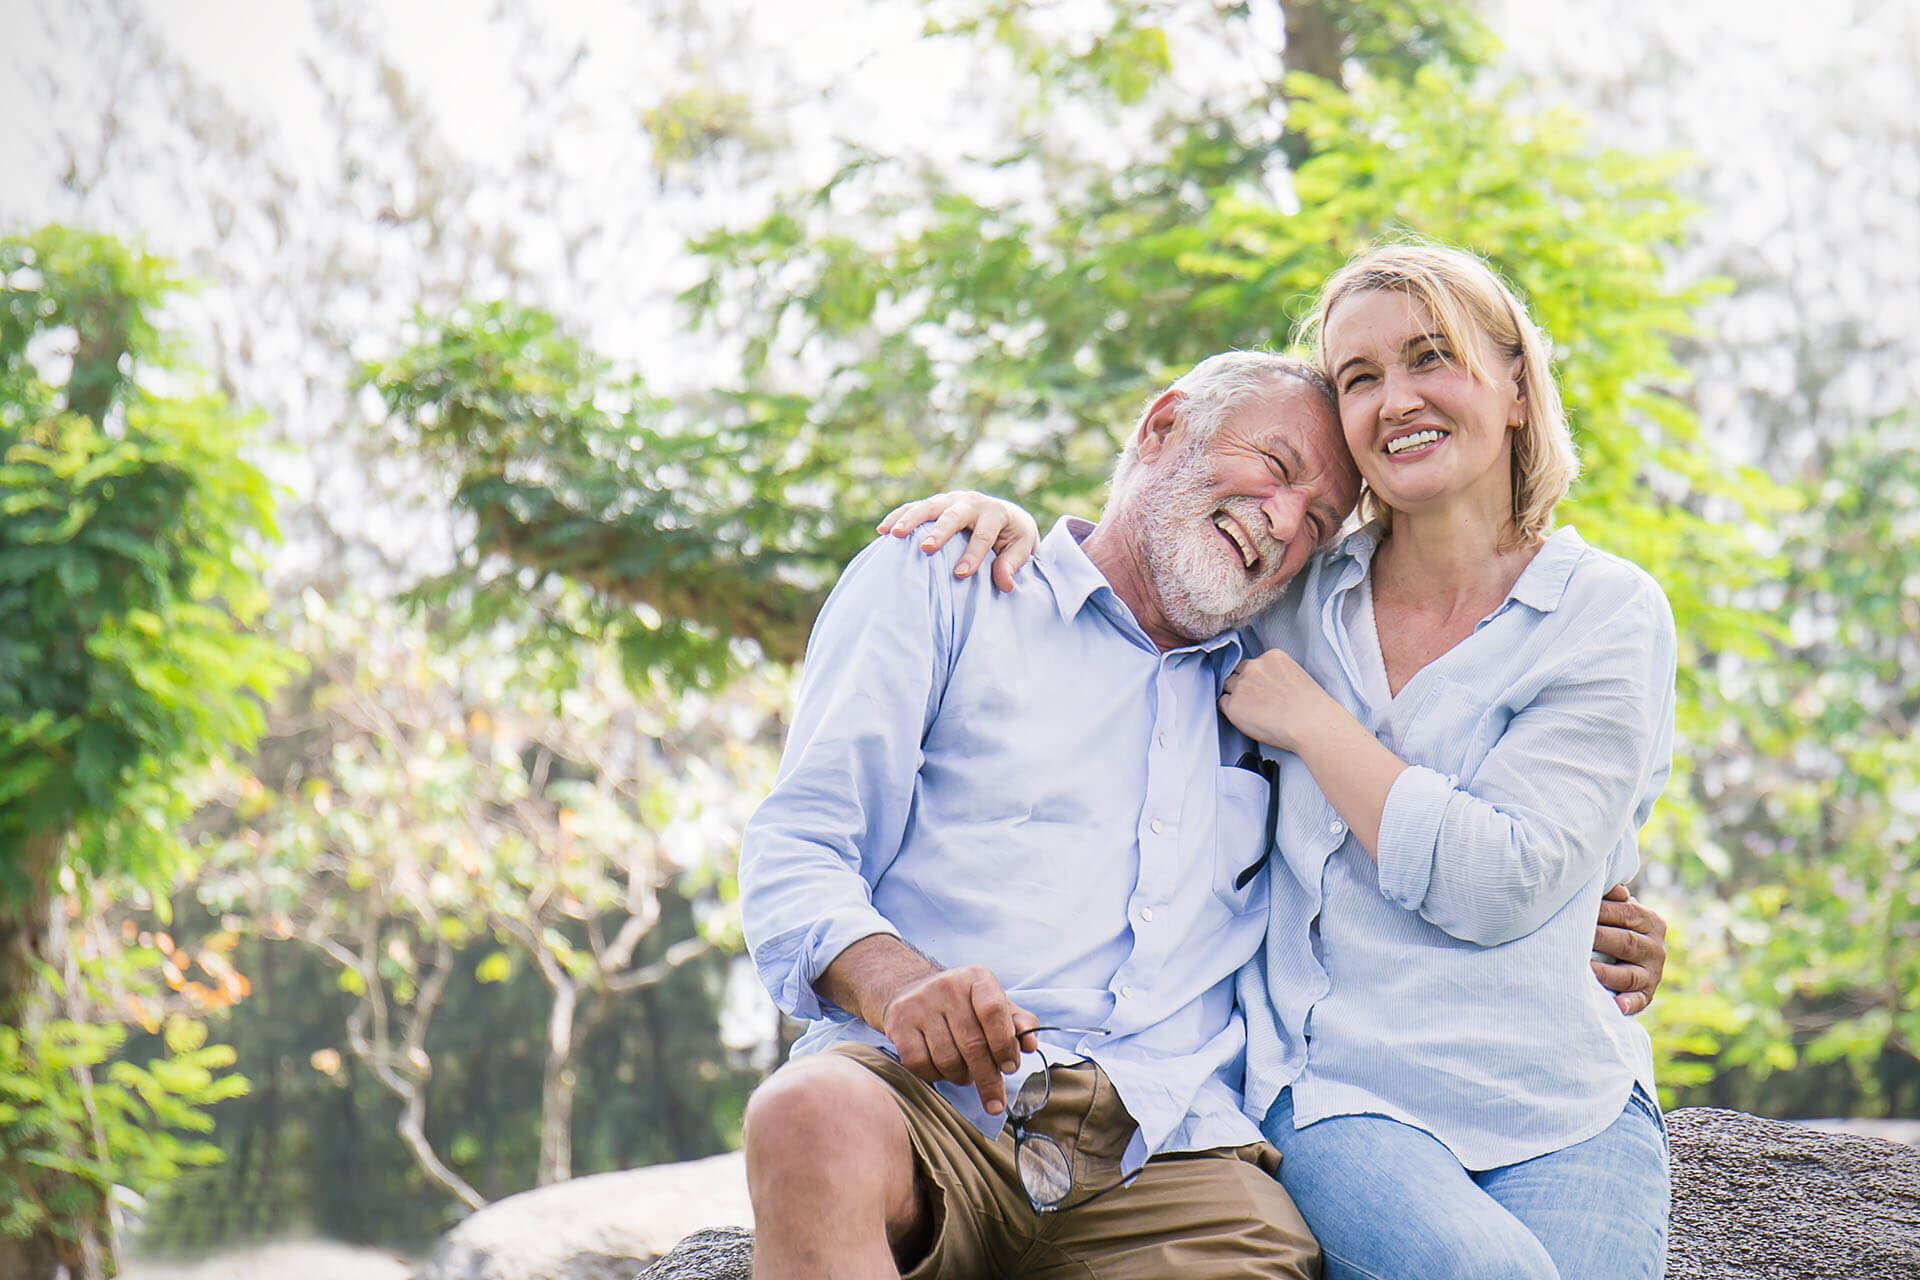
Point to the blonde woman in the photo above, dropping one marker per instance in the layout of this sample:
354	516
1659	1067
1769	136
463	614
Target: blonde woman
1471	717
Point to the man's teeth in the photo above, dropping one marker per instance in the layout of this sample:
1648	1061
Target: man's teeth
1417	440
1248	555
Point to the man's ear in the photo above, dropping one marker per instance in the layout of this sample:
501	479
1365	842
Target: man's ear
1159	424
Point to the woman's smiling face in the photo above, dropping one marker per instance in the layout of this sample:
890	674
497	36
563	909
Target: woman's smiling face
1427	434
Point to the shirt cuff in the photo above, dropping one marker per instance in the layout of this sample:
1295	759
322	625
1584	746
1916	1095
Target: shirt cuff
1410	834
790	971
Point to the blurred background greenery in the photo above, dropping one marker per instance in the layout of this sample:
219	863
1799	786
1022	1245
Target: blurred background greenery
426	432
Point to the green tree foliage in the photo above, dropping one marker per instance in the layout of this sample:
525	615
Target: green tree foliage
660	542
440	820
1812	955
313	1147
901	332
129	534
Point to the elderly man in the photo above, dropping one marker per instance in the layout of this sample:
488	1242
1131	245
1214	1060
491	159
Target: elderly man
1034	789
1001	813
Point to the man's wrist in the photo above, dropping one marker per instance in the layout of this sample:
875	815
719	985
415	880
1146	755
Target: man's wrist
871	973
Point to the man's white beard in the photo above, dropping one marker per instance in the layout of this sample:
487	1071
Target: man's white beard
1202	592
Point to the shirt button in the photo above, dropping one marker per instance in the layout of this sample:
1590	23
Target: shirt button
1146	913
1336	827
1158	827
1162	739
1127	992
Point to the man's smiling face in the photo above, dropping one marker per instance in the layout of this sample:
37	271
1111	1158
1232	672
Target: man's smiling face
1225	522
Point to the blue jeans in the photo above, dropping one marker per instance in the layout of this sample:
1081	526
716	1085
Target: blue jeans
1389	1202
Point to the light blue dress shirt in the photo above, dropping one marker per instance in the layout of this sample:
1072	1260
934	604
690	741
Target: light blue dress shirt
1022	781
1449	987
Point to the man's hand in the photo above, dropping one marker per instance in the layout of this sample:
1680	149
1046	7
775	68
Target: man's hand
1636	936
946	1024
959	1025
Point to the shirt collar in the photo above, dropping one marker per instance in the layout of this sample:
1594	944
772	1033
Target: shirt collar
1541	585
1074	580
1066	568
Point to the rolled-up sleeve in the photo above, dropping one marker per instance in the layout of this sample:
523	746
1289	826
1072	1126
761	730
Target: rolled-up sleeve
814	849
1574	773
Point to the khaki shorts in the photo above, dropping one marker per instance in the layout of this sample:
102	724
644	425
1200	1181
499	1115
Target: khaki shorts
1192	1215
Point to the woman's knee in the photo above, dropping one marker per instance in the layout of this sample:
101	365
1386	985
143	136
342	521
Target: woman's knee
1461	1238
1486	1249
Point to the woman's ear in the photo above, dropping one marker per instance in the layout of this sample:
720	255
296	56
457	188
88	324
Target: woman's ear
1159	424
1517	414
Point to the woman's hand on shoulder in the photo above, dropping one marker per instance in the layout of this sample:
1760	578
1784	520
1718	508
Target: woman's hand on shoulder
992	524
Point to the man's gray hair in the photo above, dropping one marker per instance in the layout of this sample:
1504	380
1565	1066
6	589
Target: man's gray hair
1221	383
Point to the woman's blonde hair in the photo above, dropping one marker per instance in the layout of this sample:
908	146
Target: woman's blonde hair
1465	296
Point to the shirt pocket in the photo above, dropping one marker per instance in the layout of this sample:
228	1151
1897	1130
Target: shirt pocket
1242	839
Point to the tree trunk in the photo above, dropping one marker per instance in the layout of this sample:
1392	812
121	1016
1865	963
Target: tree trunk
557	1088
1314	42
23	927
23	943
1315	46
29	1259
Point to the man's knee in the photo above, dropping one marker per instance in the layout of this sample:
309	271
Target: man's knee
821	1112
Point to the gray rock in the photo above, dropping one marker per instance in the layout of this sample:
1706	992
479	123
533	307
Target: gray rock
604	1227
1907	1131
283	1260
721	1253
1753	1199
1757	1199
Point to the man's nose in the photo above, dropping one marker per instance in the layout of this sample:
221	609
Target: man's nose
1285	510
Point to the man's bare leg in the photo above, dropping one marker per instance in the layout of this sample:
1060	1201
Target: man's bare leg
831	1171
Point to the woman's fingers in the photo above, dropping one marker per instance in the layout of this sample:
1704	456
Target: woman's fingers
994	527
987	525
1014	546
908	516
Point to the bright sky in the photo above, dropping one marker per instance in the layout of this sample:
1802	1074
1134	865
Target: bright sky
1803	120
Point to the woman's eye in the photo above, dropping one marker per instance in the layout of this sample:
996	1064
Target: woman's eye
1354	381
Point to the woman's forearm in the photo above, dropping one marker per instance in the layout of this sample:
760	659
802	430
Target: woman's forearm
1355	771
1272	700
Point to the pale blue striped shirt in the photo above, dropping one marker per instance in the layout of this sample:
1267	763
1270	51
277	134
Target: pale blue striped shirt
1448	987
1022	781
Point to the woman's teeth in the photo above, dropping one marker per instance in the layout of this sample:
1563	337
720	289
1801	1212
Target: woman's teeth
1417	440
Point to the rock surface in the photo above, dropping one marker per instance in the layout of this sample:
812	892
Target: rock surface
1753	1199
604	1227
1763	1199
719	1253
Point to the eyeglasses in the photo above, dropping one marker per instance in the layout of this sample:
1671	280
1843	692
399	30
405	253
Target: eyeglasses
1270	770
1046	1174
